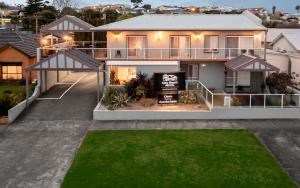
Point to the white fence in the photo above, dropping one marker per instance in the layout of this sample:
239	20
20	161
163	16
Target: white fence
15	111
241	100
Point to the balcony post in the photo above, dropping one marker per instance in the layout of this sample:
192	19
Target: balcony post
264	100
93	43
195	53
250	101
282	100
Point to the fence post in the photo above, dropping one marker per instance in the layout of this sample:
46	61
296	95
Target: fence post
195	53
281	100
250	101
229	106
206	94
161	53
212	99
264	100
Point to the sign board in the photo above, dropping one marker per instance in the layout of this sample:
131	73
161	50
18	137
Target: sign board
168	85
168	98
169	81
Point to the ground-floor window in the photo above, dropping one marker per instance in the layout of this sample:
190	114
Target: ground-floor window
119	75
11	71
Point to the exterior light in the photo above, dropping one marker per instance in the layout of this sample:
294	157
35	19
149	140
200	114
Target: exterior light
257	36
66	38
203	65
44	42
158	35
198	36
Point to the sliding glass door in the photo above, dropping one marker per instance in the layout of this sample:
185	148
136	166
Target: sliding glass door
180	46
136	46
236	44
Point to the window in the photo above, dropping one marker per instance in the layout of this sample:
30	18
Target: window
136	46
13	72
235	44
122	74
211	43
180	46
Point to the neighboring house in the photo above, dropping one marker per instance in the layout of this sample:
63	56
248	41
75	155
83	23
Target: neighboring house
17	51
199	45
287	42
274	32
286	53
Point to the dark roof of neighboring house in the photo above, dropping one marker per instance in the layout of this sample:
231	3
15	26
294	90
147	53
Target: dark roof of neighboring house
249	63
27	44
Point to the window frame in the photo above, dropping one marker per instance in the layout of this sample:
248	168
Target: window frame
211	50
170	45
8	64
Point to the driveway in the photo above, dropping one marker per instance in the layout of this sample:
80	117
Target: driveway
76	104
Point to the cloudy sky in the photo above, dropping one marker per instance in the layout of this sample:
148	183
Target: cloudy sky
284	5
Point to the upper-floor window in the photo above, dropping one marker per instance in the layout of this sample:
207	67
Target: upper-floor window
136	46
180	46
235	45
211	43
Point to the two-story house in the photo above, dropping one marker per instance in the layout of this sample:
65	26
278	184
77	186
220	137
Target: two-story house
198	44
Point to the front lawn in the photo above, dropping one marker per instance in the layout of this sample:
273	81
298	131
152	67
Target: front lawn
177	158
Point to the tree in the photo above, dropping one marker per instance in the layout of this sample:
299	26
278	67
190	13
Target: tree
3	5
68	11
297	8
278	82
273	9
125	16
147	6
136	3
34	6
61	4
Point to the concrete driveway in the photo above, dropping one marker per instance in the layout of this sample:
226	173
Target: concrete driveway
76	104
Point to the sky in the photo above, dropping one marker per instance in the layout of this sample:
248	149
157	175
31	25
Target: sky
282	5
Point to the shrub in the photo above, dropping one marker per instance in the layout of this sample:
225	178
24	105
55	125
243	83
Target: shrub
112	78
278	82
135	85
236	101
5	105
115	97
189	97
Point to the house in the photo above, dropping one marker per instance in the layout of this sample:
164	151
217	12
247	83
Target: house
287	42
17	51
200	45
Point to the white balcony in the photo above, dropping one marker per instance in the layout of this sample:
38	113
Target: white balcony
221	54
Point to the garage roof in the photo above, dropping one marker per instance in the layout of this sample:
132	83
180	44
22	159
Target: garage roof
249	63
244	21
71	59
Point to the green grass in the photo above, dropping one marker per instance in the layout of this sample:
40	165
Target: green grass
183	158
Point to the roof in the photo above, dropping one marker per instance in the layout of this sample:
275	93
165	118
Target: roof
70	59
27	44
244	21
67	23
249	63
293	39
274	32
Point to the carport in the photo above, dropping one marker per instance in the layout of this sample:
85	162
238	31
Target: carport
66	60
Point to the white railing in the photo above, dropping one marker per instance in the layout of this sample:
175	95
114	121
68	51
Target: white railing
164	53
242	100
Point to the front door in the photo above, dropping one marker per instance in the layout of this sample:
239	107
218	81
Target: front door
257	81
193	72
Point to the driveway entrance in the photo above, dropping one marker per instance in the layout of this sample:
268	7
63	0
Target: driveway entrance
74	100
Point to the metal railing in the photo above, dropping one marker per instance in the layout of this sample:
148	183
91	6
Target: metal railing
164	53
242	100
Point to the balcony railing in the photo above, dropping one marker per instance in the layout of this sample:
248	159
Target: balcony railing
164	53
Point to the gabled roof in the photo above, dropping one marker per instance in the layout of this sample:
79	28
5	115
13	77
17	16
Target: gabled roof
70	59
67	23
249	63
292	38
26	44
160	22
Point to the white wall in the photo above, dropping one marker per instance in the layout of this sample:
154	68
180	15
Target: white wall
283	44
278	60
212	75
295	66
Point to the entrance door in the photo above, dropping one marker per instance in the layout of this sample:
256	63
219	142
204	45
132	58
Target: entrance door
193	72
256	82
